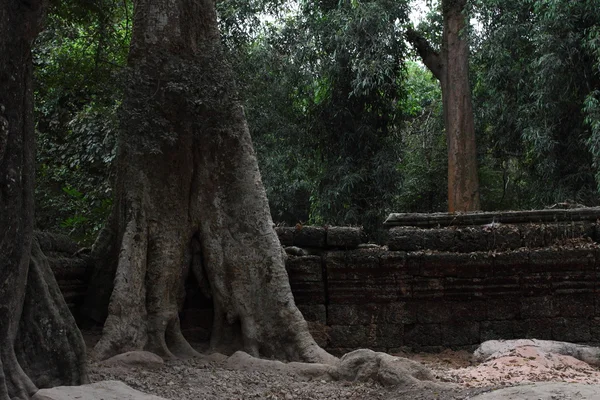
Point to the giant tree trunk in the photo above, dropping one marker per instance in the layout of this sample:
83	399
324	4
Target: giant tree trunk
189	198
451	68
49	349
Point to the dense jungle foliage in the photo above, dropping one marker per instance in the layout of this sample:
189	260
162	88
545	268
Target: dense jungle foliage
347	124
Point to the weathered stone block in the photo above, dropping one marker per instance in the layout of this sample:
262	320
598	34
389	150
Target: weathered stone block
436	311
534	328
503	286
356	276
370	313
471	239
306	279
578	305
537	307
508	308
462	289
460	333
532	235
503	237
352	292
513	263
313	312
308	292
345	237
422	335
405	239
352	336
389	335
539	284
561	260
595	330
286	235
319	332
439	239
496	330
574	283
310	236
474	265
395	260
427	288
400	313
469	310
306	268
571	329
354	314
356	265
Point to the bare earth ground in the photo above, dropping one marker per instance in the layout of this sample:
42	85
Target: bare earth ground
207	378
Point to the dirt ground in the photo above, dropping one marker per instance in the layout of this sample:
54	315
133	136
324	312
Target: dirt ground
207	378
201	379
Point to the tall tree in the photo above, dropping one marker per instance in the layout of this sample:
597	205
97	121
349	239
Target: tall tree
451	67
40	344
189	193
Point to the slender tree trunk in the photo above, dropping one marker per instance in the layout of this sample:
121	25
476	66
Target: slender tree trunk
451	68
49	349
189	199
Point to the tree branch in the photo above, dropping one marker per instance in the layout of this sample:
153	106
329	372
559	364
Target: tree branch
430	57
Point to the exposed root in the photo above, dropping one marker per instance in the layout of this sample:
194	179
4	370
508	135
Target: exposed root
15	379
143	313
49	347
125	327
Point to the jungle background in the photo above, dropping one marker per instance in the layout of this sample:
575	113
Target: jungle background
346	121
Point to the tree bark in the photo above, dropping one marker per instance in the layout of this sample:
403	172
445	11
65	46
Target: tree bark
31	306
451	68
189	199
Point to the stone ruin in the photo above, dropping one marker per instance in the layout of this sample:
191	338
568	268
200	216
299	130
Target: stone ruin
440	281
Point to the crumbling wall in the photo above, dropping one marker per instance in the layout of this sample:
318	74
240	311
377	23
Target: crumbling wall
443	282
431	286
69	267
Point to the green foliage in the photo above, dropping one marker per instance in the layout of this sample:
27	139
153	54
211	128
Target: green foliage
424	160
78	59
346	127
334	73
534	69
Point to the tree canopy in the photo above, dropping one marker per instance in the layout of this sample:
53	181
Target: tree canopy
347	124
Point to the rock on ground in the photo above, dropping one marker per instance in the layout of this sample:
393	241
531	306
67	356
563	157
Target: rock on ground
588	354
141	359
105	390
364	365
544	391
523	365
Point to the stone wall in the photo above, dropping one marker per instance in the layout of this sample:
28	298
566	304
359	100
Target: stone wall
437	285
387	300
432	286
69	267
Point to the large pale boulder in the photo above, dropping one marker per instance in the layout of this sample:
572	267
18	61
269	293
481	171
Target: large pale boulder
496	348
106	390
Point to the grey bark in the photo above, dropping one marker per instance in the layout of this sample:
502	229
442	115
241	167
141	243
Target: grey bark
31	306
190	200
